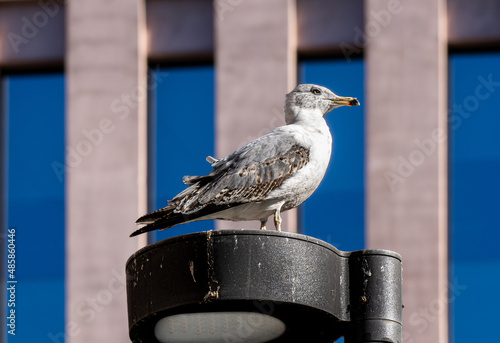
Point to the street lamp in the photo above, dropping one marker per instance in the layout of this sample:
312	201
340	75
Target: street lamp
257	286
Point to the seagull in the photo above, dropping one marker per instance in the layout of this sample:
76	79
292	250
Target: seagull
269	175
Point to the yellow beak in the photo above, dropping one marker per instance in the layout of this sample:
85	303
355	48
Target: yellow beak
345	101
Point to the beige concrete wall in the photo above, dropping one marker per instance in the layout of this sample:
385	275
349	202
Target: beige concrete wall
406	54
180	30
256	66
31	33
106	95
325	26
474	23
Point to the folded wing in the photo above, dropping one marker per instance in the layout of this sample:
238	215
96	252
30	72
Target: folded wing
247	175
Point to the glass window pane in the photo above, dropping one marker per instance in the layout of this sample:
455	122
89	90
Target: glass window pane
35	202
474	195
182	127
335	212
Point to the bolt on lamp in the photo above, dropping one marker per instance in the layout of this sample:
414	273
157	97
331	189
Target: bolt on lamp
256	286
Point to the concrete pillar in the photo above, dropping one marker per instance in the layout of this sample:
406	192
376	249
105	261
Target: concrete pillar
106	97
406	56
256	66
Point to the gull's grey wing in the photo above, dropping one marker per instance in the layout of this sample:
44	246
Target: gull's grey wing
248	174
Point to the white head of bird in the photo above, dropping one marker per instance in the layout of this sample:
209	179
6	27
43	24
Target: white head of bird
310	101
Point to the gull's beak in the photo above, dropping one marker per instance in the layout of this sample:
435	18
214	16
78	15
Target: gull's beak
345	101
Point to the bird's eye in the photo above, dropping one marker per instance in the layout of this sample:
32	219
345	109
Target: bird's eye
315	91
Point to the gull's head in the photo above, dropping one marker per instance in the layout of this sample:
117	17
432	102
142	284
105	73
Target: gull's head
313	99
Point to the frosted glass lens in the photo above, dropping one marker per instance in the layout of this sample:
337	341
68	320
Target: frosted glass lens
214	327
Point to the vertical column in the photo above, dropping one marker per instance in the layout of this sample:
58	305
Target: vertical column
256	67
406	52
106	96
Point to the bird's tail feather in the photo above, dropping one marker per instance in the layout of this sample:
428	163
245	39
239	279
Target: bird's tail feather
156	220
192	180
167	217
154	216
161	221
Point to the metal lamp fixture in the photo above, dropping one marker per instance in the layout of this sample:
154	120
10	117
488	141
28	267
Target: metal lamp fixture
258	286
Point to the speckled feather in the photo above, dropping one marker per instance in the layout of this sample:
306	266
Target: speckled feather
237	179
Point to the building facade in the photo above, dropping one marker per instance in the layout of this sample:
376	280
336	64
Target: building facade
105	105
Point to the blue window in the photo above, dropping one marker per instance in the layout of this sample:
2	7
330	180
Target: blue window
182	136
34	114
335	212
474	196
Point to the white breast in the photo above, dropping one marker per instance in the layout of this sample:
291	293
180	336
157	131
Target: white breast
300	186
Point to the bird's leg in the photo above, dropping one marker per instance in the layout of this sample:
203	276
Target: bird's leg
277	220
263	222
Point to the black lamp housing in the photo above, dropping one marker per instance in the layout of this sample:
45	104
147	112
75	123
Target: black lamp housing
317	291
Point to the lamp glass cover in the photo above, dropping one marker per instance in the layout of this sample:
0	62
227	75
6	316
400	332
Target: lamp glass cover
212	327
